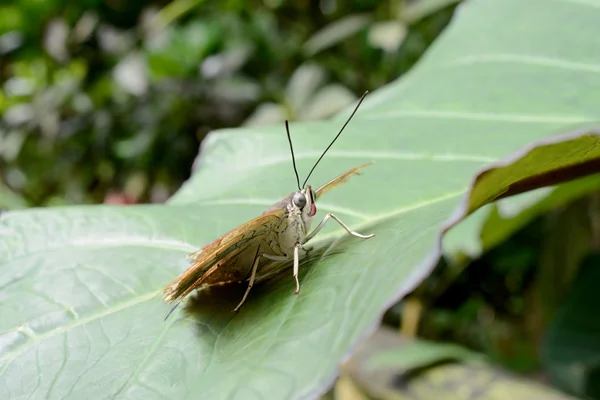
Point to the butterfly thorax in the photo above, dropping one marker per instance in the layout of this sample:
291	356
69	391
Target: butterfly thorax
298	224
293	227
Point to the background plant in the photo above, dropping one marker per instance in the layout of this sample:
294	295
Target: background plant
133	88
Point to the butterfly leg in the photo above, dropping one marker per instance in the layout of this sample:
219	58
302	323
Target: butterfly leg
339	221
253	273
297	266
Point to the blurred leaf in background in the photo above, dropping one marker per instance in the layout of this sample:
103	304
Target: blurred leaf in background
571	347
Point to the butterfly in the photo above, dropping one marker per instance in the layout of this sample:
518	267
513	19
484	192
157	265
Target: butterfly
261	244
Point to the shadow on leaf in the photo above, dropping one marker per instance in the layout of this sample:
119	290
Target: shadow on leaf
274	289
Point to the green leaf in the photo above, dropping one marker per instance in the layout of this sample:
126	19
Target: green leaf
9	199
571	349
174	11
414	11
78	284
469	380
303	83
327	101
492	224
387	35
335	33
420	354
537	167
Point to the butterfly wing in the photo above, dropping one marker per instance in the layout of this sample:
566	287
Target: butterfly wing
227	259
339	180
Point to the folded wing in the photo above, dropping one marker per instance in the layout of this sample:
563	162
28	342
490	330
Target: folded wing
227	259
339	180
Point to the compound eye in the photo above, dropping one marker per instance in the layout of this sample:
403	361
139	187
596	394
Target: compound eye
299	200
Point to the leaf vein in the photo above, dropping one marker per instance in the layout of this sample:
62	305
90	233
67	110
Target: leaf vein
488	117
88	288
11	355
525	60
144	362
62	365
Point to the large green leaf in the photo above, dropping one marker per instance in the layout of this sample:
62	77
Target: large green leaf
78	314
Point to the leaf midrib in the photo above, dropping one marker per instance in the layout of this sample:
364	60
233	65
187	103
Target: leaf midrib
12	354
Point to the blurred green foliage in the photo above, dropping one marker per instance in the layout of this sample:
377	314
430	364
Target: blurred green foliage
103	96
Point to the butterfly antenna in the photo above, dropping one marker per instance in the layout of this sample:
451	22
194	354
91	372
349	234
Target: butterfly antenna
287	129
337	136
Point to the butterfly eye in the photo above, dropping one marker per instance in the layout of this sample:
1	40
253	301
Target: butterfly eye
299	200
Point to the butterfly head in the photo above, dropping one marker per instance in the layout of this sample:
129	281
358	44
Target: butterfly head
304	201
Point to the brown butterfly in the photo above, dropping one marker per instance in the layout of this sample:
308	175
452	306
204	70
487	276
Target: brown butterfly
253	248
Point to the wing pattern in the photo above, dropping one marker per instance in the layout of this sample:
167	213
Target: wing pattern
222	261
